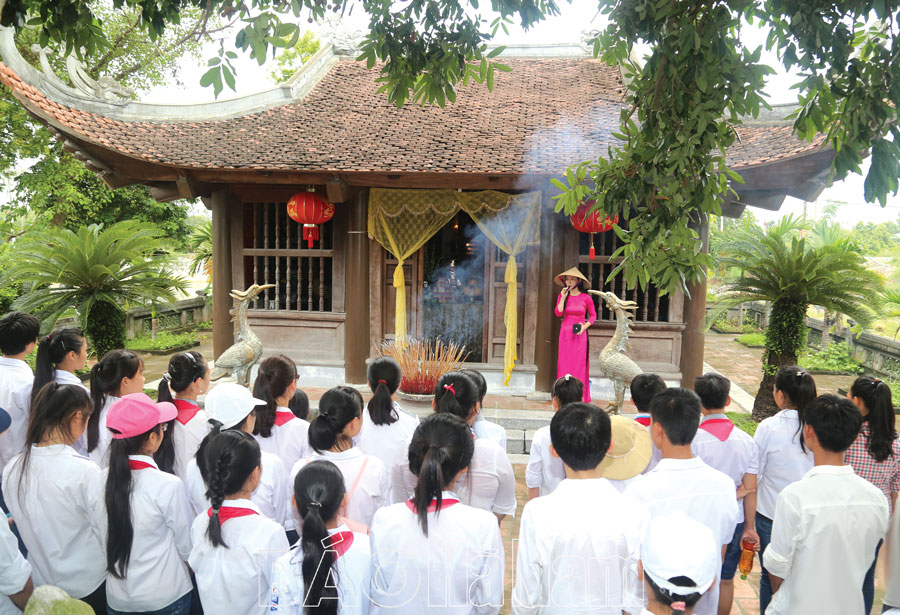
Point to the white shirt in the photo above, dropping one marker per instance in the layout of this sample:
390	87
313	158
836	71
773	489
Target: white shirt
702	493
14	570
15	388
100	455
489	484
236	580
289	441
579	549
823	541
354	574
63	377
387	442
781	460
372	489
543	470
161	517
272	495
457	569
186	439
484	428
54	517
892	568
735	456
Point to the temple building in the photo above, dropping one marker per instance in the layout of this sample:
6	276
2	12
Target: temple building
451	209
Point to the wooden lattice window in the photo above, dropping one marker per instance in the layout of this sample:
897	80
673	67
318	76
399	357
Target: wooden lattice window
652	307
274	253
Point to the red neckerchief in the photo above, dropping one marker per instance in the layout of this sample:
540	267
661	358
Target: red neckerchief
282	417
445	503
340	543
135	464
186	410
643	419
231	512
720	428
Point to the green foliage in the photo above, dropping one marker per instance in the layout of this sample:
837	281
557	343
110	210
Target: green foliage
723	324
742	421
752	340
876	239
151	393
201	248
164	340
121	265
289	61
105	327
835	358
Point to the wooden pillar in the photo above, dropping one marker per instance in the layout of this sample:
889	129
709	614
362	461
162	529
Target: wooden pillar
693	338
552	259
356	325
223	332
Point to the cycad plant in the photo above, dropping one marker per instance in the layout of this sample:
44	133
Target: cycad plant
782	267
201	247
96	271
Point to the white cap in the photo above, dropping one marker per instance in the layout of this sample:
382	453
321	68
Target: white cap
677	546
230	403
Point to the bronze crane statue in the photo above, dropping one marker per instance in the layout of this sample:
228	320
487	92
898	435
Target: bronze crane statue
613	362
240	358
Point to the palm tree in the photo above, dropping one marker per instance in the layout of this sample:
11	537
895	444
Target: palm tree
95	271
892	307
201	247
780	266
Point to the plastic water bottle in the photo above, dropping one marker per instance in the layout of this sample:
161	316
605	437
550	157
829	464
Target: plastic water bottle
746	563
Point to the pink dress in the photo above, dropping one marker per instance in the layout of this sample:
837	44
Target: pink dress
573	349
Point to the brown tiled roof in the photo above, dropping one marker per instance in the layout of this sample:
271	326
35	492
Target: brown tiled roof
543	116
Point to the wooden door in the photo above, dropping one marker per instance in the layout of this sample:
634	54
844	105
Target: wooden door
495	299
412	274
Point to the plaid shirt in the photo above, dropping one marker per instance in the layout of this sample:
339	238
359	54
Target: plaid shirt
883	474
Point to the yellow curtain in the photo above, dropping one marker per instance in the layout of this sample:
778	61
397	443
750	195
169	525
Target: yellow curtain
403	220
517	227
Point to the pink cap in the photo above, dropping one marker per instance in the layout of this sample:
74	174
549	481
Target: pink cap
136	414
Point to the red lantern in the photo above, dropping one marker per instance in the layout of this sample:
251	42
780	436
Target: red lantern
586	222
310	209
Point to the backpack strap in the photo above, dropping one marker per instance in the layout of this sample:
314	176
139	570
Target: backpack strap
358	478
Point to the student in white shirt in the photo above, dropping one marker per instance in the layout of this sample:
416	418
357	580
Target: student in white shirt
58	357
643	388
331	437
142	514
730	450
433	553
18	338
682	482
330	570
231	406
783	458
826	524
545	471
118	373
187	377
234	546
483	428
277	430
386	428
489	483
47	489
579	546
679	563
15	571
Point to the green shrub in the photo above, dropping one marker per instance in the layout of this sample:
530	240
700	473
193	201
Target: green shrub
151	393
105	327
728	325
835	358
164	341
8	294
742	421
752	340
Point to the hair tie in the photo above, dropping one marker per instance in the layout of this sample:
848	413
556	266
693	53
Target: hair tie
382	382
449	387
167	377
215	511
678	607
877	381
317	504
568	376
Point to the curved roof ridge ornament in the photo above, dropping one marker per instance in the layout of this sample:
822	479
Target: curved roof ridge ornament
344	40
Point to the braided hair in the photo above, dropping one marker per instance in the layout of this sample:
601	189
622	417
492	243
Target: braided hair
231	457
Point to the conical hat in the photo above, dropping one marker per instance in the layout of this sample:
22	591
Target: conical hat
630	452
573	272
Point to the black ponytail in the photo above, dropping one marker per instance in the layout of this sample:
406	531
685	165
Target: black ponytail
667	598
457	394
441	446
876	395
800	388
106	378
184	368
319	490
275	375
384	380
119	485
231	458
51	352
480	383
337	408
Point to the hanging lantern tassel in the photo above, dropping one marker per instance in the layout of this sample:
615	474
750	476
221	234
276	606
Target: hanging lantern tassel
311	234
593	252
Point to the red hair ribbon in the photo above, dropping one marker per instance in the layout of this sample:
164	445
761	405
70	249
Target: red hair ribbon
449	387
382	382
